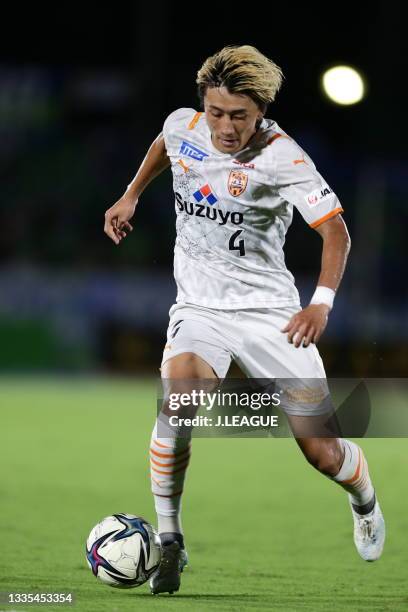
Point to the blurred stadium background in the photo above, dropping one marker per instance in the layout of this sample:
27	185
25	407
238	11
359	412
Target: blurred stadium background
84	92
84	89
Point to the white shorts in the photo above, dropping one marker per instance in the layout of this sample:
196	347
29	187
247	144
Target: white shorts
251	337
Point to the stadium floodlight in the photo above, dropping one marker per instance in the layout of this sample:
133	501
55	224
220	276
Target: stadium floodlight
343	85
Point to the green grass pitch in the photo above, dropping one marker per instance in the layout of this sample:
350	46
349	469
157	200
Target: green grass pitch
264	531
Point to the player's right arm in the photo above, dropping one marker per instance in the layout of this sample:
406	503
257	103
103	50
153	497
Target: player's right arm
117	217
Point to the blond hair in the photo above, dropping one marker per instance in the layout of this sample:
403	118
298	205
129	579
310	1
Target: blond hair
242	70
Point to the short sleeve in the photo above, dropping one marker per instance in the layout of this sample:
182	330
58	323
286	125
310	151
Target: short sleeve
299	183
176	121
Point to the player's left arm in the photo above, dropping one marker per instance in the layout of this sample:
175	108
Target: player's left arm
308	325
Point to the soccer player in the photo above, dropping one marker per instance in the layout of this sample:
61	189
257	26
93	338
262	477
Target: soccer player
237	177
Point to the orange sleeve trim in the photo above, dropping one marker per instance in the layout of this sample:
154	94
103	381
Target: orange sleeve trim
329	215
194	121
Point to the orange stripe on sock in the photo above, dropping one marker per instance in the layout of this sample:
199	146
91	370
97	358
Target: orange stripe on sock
356	474
168	464
161	445
172	495
169	455
181	469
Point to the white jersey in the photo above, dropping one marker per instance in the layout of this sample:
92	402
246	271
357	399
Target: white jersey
233	212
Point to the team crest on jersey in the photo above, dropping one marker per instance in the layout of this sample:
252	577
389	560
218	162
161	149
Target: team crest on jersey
237	182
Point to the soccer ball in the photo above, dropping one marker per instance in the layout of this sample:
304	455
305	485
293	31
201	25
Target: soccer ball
123	550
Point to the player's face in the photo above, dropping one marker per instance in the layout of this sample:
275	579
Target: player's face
231	118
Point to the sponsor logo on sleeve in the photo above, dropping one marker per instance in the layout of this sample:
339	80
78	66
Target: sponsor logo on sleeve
190	150
237	182
318	195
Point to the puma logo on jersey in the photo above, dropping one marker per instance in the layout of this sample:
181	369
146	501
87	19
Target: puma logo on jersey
318	195
210	212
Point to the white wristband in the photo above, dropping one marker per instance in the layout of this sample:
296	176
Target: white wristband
323	295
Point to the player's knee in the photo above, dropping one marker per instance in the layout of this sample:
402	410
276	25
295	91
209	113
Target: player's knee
324	457
185	376
187	366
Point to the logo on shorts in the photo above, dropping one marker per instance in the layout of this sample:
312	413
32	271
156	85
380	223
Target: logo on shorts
175	330
318	195
191	151
207	193
237	182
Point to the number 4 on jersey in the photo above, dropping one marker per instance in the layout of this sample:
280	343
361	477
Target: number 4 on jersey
233	245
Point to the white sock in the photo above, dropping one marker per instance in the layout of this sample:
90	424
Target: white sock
169	458
169	523
354	476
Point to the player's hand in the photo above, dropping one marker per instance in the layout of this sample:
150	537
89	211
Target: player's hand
117	218
307	325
